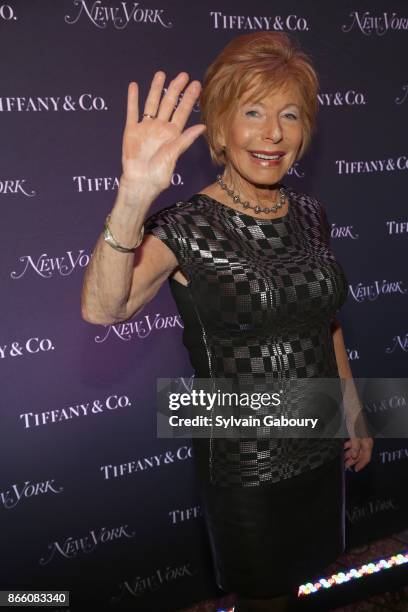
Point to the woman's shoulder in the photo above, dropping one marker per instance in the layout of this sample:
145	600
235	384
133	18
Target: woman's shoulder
307	202
172	214
171	224
302	196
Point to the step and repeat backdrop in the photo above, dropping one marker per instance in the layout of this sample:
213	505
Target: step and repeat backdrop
90	499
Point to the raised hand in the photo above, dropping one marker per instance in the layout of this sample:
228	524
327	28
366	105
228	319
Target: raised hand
151	146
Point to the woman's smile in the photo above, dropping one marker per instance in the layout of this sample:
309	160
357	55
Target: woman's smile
266	159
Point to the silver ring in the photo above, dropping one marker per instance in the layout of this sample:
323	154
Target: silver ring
149	116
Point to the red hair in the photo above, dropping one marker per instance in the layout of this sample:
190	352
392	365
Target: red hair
256	64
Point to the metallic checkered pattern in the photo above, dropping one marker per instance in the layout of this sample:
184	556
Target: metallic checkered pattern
260	299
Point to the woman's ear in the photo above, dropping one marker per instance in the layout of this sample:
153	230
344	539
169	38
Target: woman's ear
220	137
219	144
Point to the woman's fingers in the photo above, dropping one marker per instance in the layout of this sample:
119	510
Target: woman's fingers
352	446
186	139
358	452
351	455
154	95
363	458
170	100
365	453
183	110
132	111
168	107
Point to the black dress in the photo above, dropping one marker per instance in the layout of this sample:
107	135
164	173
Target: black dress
258	308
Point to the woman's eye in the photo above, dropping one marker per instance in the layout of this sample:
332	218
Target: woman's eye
252	113
291	115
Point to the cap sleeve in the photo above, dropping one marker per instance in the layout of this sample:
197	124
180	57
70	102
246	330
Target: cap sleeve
324	222
165	225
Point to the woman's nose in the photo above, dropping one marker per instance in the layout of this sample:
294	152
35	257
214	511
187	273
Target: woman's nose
272	131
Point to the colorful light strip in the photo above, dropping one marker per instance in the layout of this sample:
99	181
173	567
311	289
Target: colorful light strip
364	570
353	573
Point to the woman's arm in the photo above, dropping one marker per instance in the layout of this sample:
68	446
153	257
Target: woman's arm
358	450
118	284
342	360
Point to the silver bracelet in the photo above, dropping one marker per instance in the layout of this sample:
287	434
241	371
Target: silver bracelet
111	240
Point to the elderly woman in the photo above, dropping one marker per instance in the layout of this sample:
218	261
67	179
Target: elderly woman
257	286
